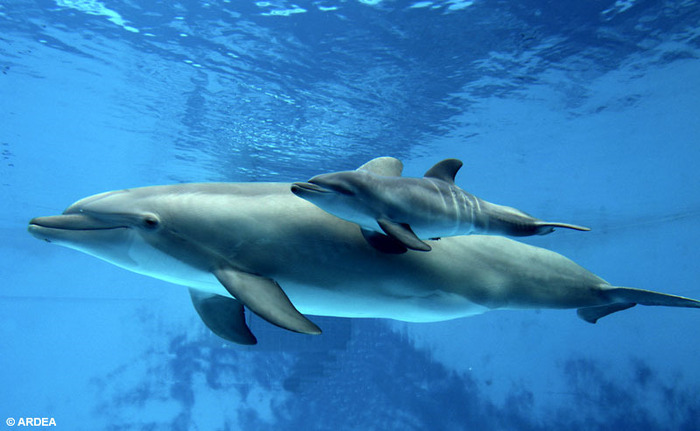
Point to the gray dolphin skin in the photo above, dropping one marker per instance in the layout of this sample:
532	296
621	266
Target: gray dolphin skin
396	213
256	245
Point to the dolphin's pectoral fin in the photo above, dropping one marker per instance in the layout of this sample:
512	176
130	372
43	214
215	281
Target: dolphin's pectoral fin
265	298
592	314
445	170
403	234
224	316
383	243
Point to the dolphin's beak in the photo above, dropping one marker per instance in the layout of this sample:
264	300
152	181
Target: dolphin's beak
304	189
73	222
53	227
88	214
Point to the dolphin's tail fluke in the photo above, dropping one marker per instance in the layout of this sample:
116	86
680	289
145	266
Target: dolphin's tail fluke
628	297
545	227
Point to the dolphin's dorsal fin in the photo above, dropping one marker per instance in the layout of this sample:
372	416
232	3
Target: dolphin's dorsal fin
445	170
386	166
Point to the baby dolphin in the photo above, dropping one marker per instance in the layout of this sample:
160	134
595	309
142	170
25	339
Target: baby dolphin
397	213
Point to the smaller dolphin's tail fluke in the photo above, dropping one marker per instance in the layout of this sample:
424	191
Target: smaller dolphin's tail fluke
628	297
545	227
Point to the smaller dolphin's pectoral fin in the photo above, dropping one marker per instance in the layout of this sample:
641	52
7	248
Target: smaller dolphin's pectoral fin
445	170
265	298
383	243
403	234
592	314
224	316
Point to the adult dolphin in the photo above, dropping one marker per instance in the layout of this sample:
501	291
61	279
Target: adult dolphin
258	245
396	213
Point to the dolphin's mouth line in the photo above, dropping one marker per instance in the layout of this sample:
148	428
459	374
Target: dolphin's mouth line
309	187
76	228
74	222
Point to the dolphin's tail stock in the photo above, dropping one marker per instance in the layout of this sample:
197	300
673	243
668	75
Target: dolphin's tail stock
627	297
511	221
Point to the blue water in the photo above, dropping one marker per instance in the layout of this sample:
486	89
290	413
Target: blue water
585	112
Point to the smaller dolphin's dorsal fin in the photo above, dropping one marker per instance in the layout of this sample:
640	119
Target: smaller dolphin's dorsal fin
386	166
445	170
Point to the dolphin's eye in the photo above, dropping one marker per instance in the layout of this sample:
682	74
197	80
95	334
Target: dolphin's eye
150	221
